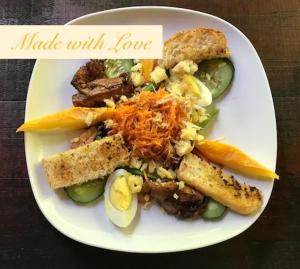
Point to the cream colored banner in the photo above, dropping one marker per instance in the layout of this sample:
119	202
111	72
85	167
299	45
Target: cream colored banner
81	42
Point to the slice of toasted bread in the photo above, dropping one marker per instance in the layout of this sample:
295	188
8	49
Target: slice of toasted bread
87	162
211	181
197	45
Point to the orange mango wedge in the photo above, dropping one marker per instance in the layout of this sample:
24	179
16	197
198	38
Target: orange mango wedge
148	65
73	118
234	158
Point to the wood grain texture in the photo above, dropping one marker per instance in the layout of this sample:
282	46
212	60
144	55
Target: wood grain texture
27	240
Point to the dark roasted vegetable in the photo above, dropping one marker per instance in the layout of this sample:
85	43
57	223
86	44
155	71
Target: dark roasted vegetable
101	89
88	136
87	73
182	203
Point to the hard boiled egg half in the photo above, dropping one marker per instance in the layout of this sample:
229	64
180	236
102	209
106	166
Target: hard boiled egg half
120	197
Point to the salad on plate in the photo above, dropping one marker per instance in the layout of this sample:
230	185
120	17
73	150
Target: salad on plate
142	138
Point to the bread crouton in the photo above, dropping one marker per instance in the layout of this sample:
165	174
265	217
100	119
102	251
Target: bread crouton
91	161
212	182
196	45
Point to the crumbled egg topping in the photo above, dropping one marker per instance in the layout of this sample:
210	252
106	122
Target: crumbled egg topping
135	163
175	88
123	98
109	103
137	79
183	147
158	75
135	183
198	115
185	67
164	173
136	75
188	133
181	185
151	166
137	68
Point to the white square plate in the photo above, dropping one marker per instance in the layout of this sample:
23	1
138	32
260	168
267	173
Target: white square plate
246	120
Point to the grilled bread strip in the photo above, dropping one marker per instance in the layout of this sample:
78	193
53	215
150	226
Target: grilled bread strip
87	162
196	45
211	181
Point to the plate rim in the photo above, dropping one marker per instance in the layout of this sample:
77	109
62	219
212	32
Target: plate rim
146	250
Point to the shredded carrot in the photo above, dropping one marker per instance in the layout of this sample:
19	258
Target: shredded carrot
150	123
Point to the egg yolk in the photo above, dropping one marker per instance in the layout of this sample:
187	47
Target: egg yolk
120	194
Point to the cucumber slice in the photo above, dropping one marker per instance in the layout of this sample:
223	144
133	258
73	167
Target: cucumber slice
210	115
213	210
216	74
114	68
86	192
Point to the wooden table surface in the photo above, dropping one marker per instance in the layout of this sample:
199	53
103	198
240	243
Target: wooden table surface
27	240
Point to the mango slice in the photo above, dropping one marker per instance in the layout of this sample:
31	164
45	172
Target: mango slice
232	157
148	65
73	118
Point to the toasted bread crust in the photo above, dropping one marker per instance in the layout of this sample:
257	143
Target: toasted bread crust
211	181
87	162
196	45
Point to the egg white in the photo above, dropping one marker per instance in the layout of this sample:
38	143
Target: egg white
205	94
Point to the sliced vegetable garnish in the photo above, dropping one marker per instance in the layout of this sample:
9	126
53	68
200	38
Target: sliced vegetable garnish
148	65
152	177
216	74
210	115
86	192
149	87
139	172
232	157
134	171
213	210
114	68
